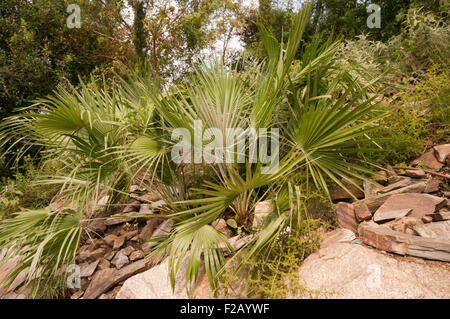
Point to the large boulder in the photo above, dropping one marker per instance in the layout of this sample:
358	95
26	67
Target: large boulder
155	284
345	270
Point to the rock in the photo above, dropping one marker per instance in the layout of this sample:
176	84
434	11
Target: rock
89	269
221	226
148	229
362	212
120	260
375	202
432	186
104	280
346	216
132	206
136	255
348	271
104	264
110	255
442	152
421	204
77	295
158	204
427	219
428	160
88	255
380	177
97	226
386	239
145	210
127	251
236	242
116	242
416	173
147	198
130	234
155	284
403	182
440	216
136	189
386	215
117	219
163	230
338	193
438	230
262	209
19	280
339	235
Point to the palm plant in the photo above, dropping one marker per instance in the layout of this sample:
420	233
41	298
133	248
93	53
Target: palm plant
108	137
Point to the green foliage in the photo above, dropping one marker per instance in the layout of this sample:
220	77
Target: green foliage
423	41
275	275
21	192
418	116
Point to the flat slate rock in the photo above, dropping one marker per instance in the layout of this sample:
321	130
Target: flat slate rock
390	215
375	202
105	279
428	160
437	230
384	238
421	204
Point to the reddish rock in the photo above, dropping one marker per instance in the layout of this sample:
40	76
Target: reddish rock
428	160
147	232
421	204
427	219
338	193
88	255
104	264
375	202
432	186
384	216
116	242
127	251
132	206
442	152
77	295
437	230
136	255
416	173
403	182
104	280
362	212
346	216
386	239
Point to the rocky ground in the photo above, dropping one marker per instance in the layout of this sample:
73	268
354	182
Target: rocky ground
405	215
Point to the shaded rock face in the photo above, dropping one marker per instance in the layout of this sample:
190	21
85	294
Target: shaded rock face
344	270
